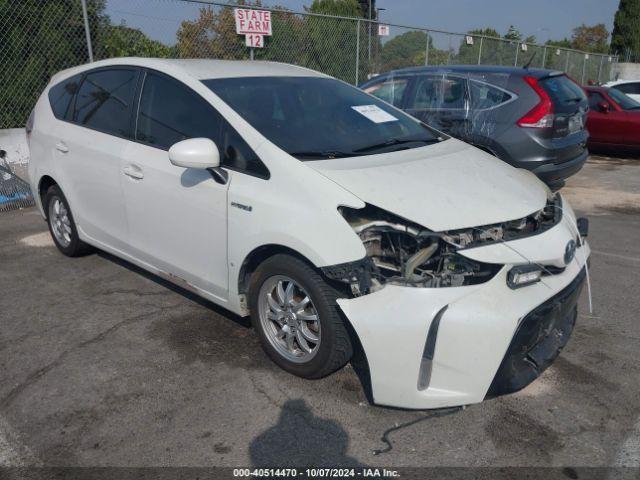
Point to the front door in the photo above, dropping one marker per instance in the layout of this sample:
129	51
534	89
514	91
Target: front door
177	217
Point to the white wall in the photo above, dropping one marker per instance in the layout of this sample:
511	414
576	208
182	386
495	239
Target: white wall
626	71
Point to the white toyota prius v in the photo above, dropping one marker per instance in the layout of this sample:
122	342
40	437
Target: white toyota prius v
336	221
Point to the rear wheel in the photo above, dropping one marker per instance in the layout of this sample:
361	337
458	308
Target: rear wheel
296	316
61	225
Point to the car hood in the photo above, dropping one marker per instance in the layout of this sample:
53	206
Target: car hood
445	186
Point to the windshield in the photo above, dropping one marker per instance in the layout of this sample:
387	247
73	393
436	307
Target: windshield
314	118
625	101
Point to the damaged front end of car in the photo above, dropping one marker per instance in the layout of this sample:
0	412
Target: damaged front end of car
400	252
454	301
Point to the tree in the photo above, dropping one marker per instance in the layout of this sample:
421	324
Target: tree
591	38
330	43
211	35
123	41
39	39
513	34
626	28
406	50
365	5
342	8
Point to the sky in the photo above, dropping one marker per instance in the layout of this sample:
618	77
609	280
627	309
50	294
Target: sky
545	19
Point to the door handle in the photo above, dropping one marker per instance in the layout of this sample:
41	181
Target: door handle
62	147
133	172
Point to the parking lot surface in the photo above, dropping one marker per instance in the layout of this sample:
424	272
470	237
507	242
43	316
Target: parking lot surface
103	364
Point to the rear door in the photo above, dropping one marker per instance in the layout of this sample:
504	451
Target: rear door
88	152
442	101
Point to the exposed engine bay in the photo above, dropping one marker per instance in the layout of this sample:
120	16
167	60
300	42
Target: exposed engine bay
404	253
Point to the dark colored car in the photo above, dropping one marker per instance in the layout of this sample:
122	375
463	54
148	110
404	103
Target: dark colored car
529	118
614	120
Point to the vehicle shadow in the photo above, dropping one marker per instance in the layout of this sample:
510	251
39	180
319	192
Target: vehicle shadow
242	321
301	439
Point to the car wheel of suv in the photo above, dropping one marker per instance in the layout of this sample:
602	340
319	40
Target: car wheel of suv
61	225
295	313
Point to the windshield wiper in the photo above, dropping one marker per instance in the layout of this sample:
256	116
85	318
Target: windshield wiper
319	155
393	142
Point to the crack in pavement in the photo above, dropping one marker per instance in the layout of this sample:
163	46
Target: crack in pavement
35	376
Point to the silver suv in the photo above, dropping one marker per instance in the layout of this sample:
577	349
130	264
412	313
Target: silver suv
530	118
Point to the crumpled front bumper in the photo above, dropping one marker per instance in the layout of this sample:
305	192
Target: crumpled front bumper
475	325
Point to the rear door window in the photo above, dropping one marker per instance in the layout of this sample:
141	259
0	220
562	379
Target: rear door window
60	96
439	92
105	101
391	91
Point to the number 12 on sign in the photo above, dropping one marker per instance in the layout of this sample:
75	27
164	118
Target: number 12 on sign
254	40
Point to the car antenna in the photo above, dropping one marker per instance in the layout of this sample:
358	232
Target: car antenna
526	66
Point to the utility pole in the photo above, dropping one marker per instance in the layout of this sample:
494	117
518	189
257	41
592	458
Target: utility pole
87	32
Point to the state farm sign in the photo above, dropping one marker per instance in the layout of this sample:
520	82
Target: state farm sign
252	22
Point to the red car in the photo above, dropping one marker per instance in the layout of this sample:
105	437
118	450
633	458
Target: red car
613	121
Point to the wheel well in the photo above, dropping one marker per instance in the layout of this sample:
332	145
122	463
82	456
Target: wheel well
46	182
259	255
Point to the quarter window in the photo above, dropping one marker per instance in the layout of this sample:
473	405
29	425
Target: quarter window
485	96
171	112
61	94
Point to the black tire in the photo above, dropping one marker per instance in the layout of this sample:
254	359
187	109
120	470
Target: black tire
76	247
335	348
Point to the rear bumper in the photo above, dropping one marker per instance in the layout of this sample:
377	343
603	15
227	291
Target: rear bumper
551	173
440	347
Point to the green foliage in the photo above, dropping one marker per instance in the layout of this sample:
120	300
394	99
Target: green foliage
406	50
626	28
123	41
591	38
38	39
343	8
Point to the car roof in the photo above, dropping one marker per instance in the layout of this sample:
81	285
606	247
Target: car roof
620	82
485	69
201	68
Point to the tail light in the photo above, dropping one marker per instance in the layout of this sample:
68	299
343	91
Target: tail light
540	116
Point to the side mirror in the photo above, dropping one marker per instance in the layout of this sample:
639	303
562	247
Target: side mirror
604	107
200	153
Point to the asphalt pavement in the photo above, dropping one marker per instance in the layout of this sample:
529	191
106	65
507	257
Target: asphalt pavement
102	364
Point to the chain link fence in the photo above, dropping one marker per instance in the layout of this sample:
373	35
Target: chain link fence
39	38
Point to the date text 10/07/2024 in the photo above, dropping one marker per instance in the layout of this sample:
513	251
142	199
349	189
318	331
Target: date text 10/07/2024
316	472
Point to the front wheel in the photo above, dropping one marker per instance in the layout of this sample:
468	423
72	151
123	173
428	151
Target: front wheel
296	316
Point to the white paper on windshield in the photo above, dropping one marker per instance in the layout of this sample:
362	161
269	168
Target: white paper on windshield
374	113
